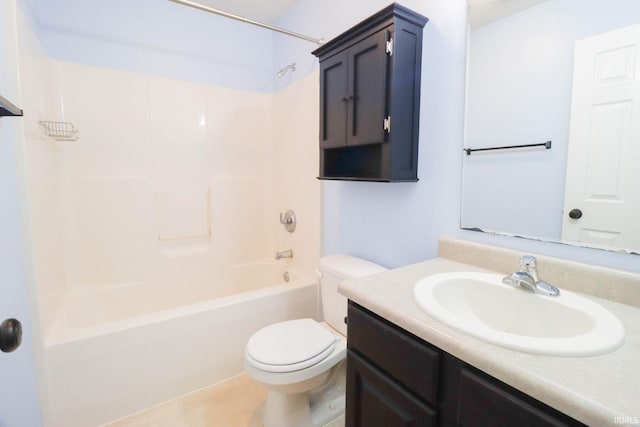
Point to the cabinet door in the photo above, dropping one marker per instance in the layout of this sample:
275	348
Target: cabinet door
334	98
367	107
375	400
482	402
373	337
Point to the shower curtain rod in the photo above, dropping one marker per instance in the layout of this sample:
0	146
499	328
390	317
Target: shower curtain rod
247	20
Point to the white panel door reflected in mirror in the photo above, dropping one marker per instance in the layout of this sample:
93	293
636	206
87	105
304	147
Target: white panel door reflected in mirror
602	192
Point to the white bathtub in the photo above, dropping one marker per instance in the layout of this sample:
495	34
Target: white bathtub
115	351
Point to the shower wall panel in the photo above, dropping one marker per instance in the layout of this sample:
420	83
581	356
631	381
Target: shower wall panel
169	181
180	159
295	140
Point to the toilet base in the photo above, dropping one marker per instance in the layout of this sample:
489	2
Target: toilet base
304	410
327	407
314	408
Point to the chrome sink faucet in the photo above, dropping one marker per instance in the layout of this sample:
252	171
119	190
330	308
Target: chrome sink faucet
284	254
527	278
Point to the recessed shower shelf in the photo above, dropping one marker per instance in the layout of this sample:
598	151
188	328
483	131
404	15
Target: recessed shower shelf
61	131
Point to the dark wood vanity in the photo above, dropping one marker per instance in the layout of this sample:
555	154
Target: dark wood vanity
397	379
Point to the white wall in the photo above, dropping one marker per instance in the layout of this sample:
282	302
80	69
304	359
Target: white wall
520	93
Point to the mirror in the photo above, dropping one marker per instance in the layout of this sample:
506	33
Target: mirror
568	72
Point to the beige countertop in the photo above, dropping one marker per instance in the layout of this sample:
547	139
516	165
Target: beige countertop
594	390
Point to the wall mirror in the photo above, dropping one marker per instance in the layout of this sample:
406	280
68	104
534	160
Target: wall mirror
568	72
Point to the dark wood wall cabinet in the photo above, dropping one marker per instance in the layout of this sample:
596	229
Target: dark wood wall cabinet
370	98
396	379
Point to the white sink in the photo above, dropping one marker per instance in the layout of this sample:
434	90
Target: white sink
479	304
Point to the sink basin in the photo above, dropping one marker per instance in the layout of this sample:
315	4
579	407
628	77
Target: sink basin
480	305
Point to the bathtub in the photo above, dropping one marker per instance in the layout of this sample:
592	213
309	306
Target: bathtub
116	350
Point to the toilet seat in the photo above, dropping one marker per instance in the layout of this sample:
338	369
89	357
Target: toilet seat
290	346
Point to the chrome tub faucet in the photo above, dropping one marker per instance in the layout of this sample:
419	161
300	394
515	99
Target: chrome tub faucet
527	278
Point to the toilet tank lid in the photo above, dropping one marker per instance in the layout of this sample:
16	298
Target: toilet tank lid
347	266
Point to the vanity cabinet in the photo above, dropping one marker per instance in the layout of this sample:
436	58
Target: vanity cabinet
397	379
370	98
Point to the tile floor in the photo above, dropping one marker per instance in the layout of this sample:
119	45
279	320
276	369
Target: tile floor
237	402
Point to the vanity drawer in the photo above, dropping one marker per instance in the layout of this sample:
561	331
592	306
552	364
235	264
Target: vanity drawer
409	360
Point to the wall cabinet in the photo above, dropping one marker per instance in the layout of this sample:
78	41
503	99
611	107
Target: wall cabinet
370	98
396	379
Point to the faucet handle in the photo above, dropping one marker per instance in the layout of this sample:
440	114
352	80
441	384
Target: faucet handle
528	265
288	219
527	262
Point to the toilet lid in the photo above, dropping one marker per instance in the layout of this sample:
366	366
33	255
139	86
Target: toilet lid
290	346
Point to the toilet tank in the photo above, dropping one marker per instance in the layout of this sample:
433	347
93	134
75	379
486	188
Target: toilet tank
333	269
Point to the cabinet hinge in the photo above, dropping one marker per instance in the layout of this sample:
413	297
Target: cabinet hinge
386	124
389	48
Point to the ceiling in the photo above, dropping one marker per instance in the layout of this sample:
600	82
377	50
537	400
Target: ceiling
263	11
482	12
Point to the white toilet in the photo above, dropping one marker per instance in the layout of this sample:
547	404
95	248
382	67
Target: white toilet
301	362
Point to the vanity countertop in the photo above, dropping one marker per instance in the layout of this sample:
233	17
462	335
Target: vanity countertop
594	390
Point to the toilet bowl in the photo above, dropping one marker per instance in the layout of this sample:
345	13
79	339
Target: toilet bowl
301	361
292	359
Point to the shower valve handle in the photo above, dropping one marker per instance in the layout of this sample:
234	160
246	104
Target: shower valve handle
288	219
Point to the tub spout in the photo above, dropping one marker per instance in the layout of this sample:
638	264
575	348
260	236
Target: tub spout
284	254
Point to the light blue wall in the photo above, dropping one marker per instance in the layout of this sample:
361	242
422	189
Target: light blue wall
608	12
160	38
318	19
20	402
393	224
521	73
398	224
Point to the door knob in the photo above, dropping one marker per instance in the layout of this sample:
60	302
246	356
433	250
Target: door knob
10	335
575	214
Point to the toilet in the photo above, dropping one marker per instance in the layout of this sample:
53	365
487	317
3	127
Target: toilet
301	362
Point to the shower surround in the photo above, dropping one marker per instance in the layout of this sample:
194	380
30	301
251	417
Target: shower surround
168	182
153	234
